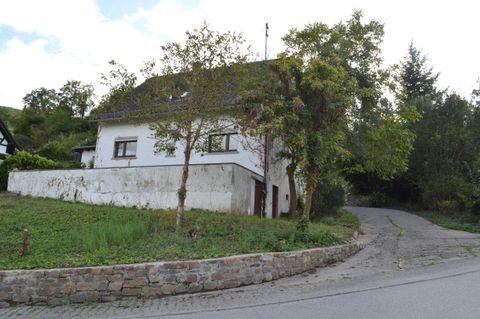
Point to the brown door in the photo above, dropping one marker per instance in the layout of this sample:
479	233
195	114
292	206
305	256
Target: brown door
257	210
275	202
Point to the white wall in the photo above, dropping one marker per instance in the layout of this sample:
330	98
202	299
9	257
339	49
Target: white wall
87	156
108	132
277	175
223	187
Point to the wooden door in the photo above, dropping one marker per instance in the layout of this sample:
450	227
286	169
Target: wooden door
257	210
275	213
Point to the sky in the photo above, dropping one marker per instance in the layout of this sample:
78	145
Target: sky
46	43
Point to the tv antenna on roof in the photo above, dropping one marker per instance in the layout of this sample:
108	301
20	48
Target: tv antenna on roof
266	38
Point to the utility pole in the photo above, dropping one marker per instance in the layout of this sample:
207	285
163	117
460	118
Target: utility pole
265	148
266	40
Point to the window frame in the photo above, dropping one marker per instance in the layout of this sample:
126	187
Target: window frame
124	142
227	144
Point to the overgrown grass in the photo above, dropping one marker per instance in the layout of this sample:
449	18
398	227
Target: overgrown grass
64	234
454	221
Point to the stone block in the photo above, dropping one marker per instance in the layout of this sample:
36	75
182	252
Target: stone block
108	298
132	283
4	304
232	283
54	301
191	278
77	298
152	292
92	296
116	277
180	289
115	285
69	288
132	291
168	289
39	299
20	297
194	287
209	285
4	295
217	276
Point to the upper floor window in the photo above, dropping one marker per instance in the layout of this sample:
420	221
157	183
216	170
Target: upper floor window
125	148
222	142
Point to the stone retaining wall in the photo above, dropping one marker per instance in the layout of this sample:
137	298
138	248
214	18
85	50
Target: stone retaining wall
150	280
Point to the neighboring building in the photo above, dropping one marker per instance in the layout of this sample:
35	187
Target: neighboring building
86	155
7	143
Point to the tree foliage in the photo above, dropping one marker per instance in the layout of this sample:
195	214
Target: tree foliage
416	78
193	93
76	98
340	84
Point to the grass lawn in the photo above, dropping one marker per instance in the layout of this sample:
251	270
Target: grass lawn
65	234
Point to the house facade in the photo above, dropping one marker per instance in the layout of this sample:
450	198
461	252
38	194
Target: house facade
125	145
228	177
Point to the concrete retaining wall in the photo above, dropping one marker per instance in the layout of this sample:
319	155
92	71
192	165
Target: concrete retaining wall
150	280
218	187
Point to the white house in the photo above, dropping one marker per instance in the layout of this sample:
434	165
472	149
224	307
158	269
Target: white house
230	176
233	171
7	143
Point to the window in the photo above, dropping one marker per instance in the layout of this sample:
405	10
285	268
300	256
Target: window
222	142
125	148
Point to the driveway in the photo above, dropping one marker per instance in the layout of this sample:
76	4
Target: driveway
403	248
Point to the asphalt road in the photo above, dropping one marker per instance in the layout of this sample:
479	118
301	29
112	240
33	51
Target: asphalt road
448	297
410	269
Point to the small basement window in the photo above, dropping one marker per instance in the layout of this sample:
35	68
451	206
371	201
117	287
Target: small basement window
222	142
125	148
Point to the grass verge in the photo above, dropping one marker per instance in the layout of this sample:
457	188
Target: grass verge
455	221
65	234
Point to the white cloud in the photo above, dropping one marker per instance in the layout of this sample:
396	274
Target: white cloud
85	39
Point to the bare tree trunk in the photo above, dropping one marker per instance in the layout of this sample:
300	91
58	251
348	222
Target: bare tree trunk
182	191
308	200
292	211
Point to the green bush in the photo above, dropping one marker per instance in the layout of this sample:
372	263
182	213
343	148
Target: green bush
448	206
377	199
57	151
446	189
328	196
22	160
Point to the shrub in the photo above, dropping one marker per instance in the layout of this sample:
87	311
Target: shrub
22	160
448	206
443	188
328	196
56	151
377	199
301	233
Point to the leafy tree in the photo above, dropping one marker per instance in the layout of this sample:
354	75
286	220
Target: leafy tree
341	87
417	79
76	97
195	93
120	83
41	99
281	118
